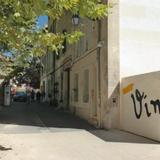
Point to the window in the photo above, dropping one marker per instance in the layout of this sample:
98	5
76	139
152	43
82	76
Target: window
64	42
89	35
76	88
49	86
86	86
61	87
42	70
80	46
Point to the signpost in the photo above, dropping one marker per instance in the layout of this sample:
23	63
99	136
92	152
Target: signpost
7	95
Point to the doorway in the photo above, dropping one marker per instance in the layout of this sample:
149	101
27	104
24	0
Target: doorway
66	102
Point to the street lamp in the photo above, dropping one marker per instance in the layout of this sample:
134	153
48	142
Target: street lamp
75	19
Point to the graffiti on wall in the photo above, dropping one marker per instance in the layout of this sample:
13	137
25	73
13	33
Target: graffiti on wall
141	103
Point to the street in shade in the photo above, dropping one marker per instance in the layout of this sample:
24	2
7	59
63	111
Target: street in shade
39	131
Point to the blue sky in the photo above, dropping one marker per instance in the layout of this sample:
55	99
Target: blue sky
42	21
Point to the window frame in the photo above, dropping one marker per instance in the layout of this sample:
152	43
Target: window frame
86	86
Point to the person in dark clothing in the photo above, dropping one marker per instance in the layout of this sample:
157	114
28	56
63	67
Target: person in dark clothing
28	96
38	96
50	99
32	95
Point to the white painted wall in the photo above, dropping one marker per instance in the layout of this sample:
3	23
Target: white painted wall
139	36
147	126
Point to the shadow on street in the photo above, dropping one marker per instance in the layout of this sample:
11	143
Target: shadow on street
44	116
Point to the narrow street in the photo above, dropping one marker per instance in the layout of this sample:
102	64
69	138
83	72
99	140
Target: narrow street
40	116
37	131
97	62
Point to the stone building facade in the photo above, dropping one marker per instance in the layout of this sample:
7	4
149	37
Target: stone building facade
84	77
91	77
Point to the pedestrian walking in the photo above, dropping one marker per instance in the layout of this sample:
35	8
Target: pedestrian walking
38	96
32	95
50	99
28	96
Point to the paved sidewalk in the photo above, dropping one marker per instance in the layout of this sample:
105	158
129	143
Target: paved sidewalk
72	144
40	133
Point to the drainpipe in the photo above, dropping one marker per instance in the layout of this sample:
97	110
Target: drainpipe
54	76
54	63
68	94
99	74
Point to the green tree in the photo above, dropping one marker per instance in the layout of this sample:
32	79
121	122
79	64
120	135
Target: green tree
20	36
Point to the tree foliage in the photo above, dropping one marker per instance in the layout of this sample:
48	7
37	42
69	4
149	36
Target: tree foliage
19	34
29	75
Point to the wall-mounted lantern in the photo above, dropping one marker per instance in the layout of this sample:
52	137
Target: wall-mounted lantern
75	19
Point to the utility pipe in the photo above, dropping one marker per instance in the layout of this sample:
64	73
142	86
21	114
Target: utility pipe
99	75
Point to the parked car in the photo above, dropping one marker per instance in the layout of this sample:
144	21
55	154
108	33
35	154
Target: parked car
20	97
